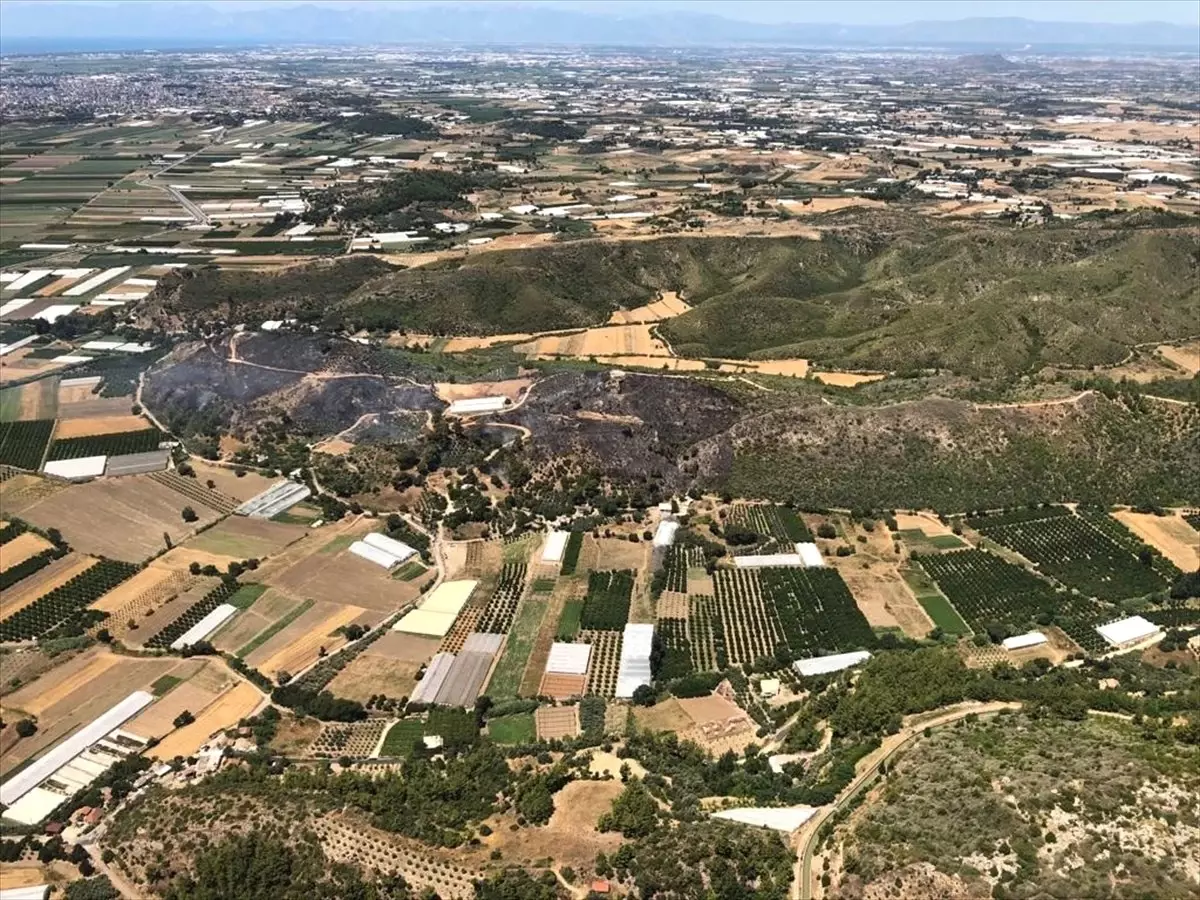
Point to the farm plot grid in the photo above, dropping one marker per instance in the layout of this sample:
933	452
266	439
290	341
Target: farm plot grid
192	615
805	611
1070	550
987	590
65	607
356	739
501	607
706	634
22	444
119	444
193	490
677	661
605	661
676	562
779	523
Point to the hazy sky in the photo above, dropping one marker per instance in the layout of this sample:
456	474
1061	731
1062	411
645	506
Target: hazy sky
850	12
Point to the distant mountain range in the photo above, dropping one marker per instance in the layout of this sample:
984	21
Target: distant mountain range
48	25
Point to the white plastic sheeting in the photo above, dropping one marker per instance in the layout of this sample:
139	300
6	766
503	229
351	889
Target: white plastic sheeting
66	750
634	670
556	545
205	626
84	467
1127	631
568	659
1020	641
664	535
779	818
478	405
769	561
400	550
373	554
823	665
810	554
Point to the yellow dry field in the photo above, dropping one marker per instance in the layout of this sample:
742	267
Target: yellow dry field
228	483
300	653
1186	357
41	583
463	344
72	428
668	306
511	388
127	591
670	363
793	368
925	522
1129	130
76	674
19	549
609	340
1170	535
74	393
158	719
817	205
225	712
334	447
847	379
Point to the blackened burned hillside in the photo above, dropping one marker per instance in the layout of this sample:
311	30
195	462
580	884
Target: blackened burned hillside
631	426
202	390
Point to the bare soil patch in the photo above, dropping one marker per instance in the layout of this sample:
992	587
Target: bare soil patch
121	518
1186	356
147	580
556	722
848	379
249	623
22	491
298	645
926	522
562	687
192	696
350	579
511	388
243	537
80	403
223	713
21	548
72	428
45	580
792	368
669	715
669	305
388	667
249	485
605	341
1170	535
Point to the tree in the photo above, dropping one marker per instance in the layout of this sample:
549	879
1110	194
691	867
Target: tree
26	728
194	567
189	514
826	530
184	718
643	695
634	813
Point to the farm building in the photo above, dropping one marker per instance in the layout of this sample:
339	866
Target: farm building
556	544
76	469
634	670
29	892
477	405
433	679
810	554
779	818
1021	641
435	614
1125	632
72	764
664	535
568	659
467	672
274	500
137	463
400	550
823	665
372	552
769	561
205	626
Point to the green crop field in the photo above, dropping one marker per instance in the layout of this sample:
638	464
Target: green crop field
506	678
402	737
1074	552
515	729
944	615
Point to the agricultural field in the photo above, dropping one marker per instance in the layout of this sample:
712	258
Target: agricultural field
117	444
121	518
64	608
501	607
509	672
354	739
780	524
606	606
23	444
388	667
807	612
401	737
1170	535
989	591
1074	552
934	603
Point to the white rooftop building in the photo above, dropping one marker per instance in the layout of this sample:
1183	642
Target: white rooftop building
1128	631
823	665
634	669
1021	641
